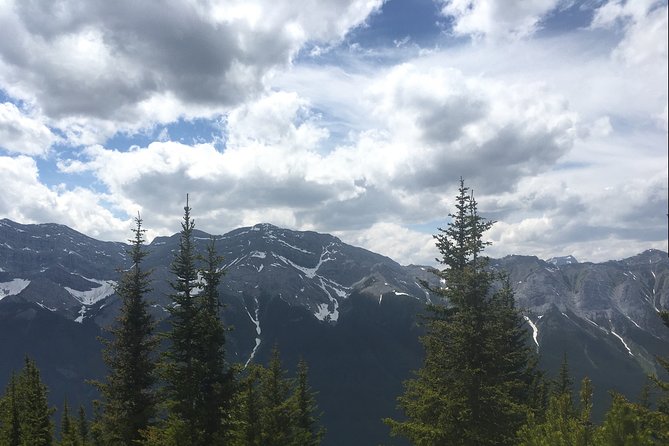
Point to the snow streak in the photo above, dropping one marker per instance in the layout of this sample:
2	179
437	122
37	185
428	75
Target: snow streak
256	322
535	331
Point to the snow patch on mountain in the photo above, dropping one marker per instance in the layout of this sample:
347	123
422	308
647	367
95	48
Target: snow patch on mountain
535	331
292	246
623	341
332	315
256	322
95	294
12	287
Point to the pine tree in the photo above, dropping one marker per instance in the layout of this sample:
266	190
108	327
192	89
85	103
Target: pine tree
276	412
628	424
199	384
128	395
182	386
246	429
561	424
472	386
33	409
215	377
68	430
82	426
10	423
307	431
563	384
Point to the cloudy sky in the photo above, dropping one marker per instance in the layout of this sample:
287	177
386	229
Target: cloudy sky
353	117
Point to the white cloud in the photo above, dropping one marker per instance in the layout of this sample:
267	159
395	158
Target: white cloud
562	137
26	199
396	242
645	30
497	19
95	68
23	134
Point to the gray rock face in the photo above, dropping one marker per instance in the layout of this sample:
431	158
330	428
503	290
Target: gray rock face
617	299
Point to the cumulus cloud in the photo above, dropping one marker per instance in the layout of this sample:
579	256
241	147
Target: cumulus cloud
450	126
497	19
107	64
548	217
420	144
23	134
645	30
26	199
395	241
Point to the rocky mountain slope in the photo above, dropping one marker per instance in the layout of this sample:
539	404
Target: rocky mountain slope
351	313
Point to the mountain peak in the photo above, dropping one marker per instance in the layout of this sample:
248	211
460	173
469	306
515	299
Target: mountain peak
562	260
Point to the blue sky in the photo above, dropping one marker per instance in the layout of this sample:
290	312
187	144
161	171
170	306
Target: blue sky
353	117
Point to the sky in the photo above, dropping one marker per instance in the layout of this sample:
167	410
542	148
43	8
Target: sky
352	117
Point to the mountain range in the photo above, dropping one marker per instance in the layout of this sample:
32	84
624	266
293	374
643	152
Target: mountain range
354	315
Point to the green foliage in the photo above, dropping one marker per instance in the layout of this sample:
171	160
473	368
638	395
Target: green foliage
274	410
562	424
478	382
128	394
307	430
199	384
10	423
69	435
82	427
182	385
25	416
628	424
563	385
216	378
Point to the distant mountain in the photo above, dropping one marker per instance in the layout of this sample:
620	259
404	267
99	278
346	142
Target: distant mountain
351	313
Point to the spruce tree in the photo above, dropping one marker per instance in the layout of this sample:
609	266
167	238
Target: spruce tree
33	409
128	394
181	362
471	389
246	428
200	384
564	383
307	430
276	412
82	426
215	377
561	425
10	422
69	436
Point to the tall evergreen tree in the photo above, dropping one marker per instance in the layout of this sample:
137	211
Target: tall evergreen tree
82	426
128	394
307	430
181	362
471	388
215	377
564	383
246	423
10	422
69	436
561	425
32	407
199	383
276	412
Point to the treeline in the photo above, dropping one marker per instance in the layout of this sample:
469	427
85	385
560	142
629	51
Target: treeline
480	385
187	395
